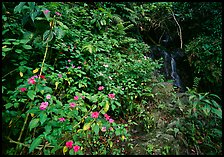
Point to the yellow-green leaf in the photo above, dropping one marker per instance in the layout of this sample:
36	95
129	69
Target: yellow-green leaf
86	126
36	70
21	74
65	149
56	85
106	107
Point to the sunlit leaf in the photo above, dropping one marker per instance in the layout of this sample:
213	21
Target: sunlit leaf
21	74
86	126
65	149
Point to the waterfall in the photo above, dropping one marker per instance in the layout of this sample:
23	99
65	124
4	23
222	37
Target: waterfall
174	75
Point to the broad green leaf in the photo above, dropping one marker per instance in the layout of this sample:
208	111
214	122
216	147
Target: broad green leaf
48	36
71	152
19	7
96	128
27	47
217	112
4	49
83	109
7	106
31	94
43	117
48	128
18	51
34	123
35	143
86	126
24	41
16	105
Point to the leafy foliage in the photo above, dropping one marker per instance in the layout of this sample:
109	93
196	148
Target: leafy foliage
77	69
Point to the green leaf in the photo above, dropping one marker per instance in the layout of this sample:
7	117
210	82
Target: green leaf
16	105
48	36
43	117
62	25
34	123
18	51
31	94
27	47
48	128
19	7
6	49
217	112
35	143
96	128
83	109
7	106
71	152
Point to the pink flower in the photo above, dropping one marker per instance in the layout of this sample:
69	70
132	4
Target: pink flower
103	129
69	144
101	88
46	11
76	148
57	13
60	75
72	104
31	81
106	116
95	114
79	67
73	66
48	96
42	76
61	119
76	97
67	67
112	96
111	120
83	97
111	129
22	89
69	60
43	105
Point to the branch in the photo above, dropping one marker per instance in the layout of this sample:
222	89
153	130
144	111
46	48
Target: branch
181	41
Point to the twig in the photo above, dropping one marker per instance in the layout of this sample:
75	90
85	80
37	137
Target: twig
180	32
27	145
9	73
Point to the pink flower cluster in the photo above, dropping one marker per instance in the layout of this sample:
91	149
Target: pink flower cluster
48	96
72	104
57	13
107	117
22	89
69	144
95	114
101	88
61	119
32	79
43	105
112	96
76	97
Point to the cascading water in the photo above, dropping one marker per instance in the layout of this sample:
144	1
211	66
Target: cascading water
169	66
174	75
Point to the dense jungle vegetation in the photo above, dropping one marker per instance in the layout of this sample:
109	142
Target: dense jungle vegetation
111	78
